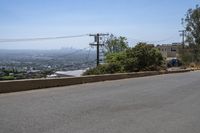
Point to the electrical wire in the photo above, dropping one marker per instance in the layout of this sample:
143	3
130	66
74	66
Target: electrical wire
41	39
160	41
155	41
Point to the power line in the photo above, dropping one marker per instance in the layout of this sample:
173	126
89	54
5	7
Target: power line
160	41
154	41
41	39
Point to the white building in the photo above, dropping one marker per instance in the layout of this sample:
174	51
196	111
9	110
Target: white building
169	50
75	73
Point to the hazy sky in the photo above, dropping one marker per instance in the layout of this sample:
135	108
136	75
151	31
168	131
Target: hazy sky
138	20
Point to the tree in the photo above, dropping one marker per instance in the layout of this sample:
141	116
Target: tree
185	55
116	44
142	57
192	21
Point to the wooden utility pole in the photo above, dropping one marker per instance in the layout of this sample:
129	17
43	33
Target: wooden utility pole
97	36
97	44
183	32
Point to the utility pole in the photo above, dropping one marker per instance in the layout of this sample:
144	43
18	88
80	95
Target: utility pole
97	43
183	32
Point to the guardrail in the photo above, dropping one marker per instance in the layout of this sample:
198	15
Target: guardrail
34	84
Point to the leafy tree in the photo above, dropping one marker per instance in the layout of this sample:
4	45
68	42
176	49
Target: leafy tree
116	44
185	55
192	21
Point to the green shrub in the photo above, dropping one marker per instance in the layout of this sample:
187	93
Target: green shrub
7	78
142	57
104	69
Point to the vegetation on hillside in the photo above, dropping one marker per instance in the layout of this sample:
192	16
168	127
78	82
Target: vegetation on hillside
142	57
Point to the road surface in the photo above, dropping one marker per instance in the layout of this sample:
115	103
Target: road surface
158	104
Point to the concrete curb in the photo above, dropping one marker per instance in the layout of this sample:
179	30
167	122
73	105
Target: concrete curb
194	69
34	84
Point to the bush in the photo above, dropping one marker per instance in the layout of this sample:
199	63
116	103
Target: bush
146	56
142	57
104	69
7	78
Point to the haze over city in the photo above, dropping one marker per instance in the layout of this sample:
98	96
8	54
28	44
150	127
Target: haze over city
154	21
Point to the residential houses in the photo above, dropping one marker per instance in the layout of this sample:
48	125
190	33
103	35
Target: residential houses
169	51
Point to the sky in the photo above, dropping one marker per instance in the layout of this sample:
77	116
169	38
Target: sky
153	21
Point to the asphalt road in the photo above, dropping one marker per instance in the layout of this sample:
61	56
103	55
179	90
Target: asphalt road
158	104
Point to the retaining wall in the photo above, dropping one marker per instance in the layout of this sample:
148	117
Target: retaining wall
33	84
